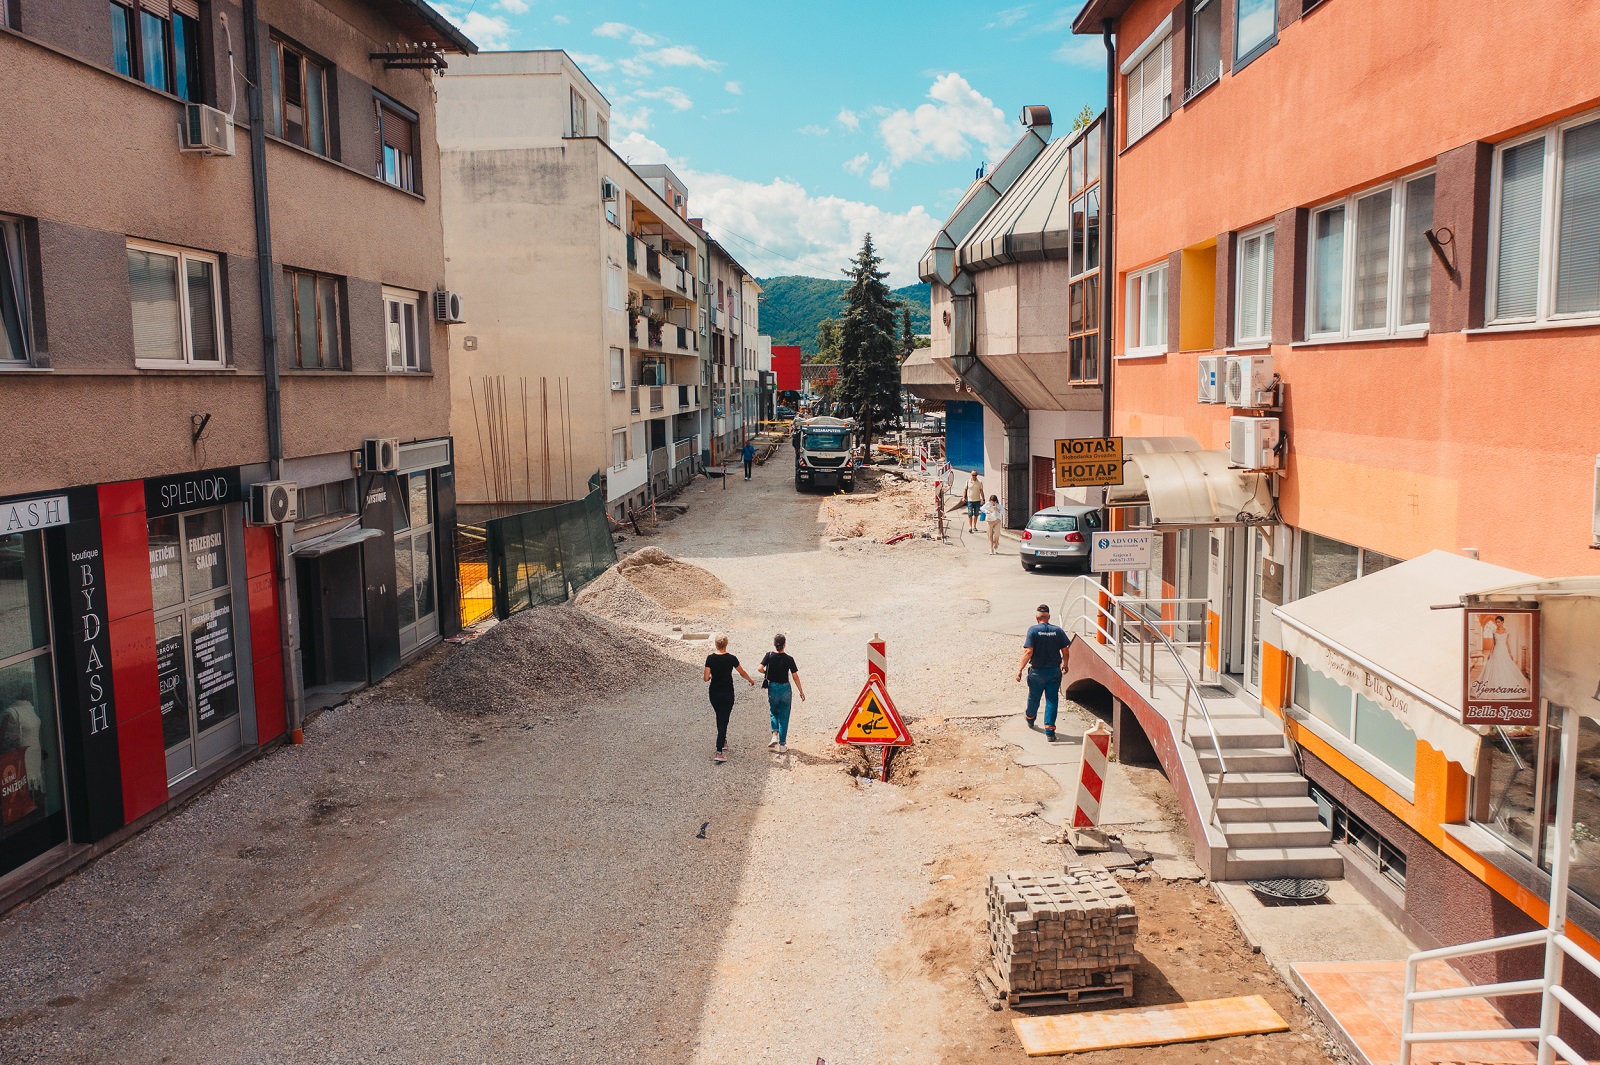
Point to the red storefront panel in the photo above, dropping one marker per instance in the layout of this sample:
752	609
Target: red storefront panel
266	648
125	546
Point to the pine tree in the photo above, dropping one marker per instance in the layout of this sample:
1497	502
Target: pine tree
869	362
908	339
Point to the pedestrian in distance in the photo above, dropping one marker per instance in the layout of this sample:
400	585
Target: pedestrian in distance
779	669
972	495
748	453
720	668
991	523
1045	651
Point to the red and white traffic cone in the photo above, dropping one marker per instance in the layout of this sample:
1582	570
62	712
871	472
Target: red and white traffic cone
1085	831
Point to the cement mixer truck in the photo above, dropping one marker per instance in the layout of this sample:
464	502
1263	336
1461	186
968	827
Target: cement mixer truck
824	453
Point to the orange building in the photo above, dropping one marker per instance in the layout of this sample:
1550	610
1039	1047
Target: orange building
1357	247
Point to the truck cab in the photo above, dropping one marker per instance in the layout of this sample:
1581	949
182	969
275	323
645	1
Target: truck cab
824	453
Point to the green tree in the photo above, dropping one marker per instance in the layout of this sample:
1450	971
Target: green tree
869	363
828	340
908	339
1085	117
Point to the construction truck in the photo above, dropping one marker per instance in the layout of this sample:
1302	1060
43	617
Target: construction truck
824	453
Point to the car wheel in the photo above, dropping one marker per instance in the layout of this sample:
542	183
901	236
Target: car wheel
799	486
1026	564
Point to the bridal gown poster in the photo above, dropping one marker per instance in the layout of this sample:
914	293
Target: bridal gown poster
1502	665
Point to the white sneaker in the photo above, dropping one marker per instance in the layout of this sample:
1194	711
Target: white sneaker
782	749
774	741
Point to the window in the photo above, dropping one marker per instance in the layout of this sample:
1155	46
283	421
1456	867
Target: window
1545	226
1255	29
1147	311
122	39
1149	81
1351	830
1370	262
1327	563
314	308
618	371
161	52
413	560
16	332
619	448
580	114
319	501
616	288
1083	292
397	140
1205	45
1253	313
1356	718
299	98
400	313
177	305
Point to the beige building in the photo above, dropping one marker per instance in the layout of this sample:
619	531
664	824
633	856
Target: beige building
732	321
584	350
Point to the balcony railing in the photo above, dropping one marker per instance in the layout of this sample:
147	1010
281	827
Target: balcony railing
633	256
652	262
682	450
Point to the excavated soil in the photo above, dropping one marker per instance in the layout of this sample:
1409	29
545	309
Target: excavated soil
651	588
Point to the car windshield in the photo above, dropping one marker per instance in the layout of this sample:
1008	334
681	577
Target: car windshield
824	442
1053	523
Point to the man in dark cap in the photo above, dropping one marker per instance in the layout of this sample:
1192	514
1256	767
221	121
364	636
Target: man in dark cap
1044	653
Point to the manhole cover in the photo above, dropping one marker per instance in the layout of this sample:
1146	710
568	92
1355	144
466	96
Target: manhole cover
1290	888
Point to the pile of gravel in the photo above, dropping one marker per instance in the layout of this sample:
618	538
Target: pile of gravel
650	587
546	658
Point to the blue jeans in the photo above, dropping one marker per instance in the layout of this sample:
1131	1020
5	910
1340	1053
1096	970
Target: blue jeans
1045	682
779	698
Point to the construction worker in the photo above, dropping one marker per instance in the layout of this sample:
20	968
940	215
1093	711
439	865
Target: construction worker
1044	653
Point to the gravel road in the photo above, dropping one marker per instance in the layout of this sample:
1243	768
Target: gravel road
574	880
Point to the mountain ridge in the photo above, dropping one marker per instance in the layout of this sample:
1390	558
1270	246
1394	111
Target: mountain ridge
793	305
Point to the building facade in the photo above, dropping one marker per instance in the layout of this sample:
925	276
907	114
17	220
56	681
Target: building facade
732	316
581	354
1356	256
180	326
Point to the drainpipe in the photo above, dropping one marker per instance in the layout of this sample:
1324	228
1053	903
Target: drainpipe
288	631
1108	261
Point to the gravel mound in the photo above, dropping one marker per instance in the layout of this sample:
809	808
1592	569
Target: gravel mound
546	658
651	587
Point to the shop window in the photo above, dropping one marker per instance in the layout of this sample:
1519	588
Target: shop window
1148	74
32	810
413	561
1146	306
1349	829
1205	45
402	312
336	498
16	326
1545	224
161	52
397	146
1255	29
1253	314
177	306
1327	563
315	309
1357	719
299	97
1370	262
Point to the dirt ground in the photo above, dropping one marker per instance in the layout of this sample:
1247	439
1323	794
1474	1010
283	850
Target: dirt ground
519	850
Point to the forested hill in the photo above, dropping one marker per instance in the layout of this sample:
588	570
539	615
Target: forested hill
794	305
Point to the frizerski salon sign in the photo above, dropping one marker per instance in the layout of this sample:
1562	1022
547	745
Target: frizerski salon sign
26	515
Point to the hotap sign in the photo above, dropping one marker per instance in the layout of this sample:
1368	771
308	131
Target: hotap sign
1095	460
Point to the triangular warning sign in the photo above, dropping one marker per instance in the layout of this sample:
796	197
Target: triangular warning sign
874	719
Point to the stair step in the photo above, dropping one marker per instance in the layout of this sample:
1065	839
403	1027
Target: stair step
1255	834
1262	784
1264	863
1257	808
1250	760
1228	739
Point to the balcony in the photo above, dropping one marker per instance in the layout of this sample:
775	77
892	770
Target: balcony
652	263
650	398
633	255
682	450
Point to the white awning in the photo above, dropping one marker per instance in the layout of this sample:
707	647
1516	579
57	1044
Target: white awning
1569	609
334	542
1186	487
1380	636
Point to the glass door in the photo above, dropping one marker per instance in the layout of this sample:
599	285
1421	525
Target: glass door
413	562
1256	556
32	805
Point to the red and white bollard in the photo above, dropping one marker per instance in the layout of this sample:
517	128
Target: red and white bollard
878	659
1085	831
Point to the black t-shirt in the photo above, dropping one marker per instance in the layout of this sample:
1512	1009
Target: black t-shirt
779	666
721	664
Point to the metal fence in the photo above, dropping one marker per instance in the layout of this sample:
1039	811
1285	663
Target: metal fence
543	556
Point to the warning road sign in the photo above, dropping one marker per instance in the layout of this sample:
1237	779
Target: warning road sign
874	719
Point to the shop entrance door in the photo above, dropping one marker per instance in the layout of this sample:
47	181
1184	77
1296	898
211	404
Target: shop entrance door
1044	483
333	623
413	562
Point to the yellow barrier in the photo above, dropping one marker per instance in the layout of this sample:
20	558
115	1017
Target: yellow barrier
477	596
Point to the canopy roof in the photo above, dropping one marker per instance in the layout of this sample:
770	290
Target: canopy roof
1186	487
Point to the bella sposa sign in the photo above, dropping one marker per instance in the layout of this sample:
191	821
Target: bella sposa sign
1502	667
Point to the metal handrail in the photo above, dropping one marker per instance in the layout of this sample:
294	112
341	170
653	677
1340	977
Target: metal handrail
1191	686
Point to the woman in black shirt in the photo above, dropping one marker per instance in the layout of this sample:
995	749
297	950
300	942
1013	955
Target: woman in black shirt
779	669
720	668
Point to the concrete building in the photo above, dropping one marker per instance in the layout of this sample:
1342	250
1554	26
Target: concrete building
1016	304
581	353
733	317
179	326
1355	250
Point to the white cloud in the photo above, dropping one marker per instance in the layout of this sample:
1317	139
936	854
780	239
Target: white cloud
958	119
613	29
849	119
674	98
733	87
1004	20
560	20
880	177
672	55
1087	52
858	164
636	120
591	62
814	130
490	32
516	7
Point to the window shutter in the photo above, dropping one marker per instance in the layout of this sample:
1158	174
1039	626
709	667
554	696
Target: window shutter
1164	85
1521	208
1268	239
153	280
396	132
377	137
187	7
1250	289
1135	84
1371	283
162	8
1578	244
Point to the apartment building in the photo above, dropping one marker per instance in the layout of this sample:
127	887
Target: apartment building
1016	303
581	354
180	327
1357	278
732	315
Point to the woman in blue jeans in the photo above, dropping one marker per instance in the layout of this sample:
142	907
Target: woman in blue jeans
779	669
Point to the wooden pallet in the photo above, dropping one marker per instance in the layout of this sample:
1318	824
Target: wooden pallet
999	998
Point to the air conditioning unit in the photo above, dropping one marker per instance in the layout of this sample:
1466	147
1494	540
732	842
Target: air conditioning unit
1247	381
1210	379
1253	444
382	454
1596	530
447	307
207	130
273	503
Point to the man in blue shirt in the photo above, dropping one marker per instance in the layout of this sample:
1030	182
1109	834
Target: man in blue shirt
748	453
1044	652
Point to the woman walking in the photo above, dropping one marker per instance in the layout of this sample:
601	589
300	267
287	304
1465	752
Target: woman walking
720	668
779	668
991	523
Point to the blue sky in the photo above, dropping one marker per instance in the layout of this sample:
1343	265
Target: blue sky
798	127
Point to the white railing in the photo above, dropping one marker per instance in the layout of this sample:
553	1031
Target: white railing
1558	949
1123	620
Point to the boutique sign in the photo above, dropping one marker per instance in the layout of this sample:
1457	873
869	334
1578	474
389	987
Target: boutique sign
192	491
1502	667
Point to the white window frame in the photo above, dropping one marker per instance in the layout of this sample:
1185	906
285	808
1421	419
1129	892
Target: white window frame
1157	49
410	360
1392	326
625	440
1263	286
1549	228
619	370
186	324
14	249
1133	316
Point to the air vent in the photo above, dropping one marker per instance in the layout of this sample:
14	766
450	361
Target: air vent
273	503
382	454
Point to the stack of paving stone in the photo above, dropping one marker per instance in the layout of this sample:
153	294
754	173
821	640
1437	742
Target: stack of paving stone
1062	933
